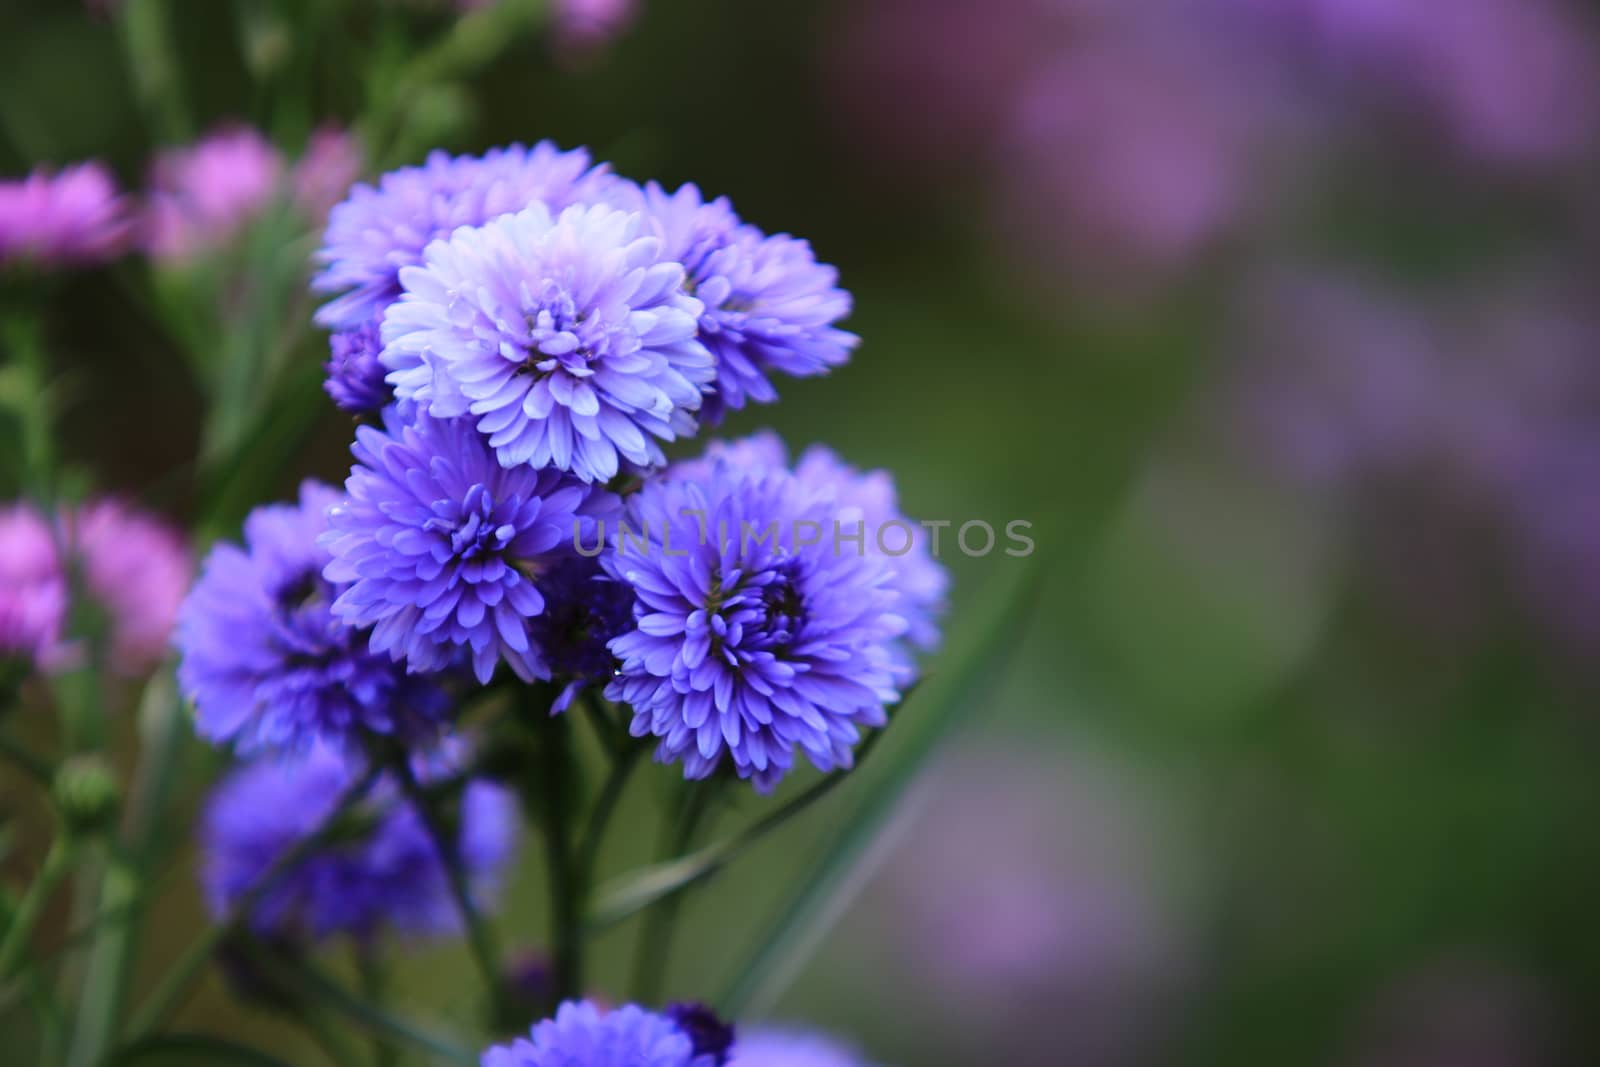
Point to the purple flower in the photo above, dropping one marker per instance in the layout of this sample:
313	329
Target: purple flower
378	230
582	1035
776	1047
755	634
71	217
355	374
33	588
389	878
867	499
202	196
570	343
266	659
137	568
441	546
769	305
325	171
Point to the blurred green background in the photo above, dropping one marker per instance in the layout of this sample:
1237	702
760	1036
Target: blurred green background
1285	352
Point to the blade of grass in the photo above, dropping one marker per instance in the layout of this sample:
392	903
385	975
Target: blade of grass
781	951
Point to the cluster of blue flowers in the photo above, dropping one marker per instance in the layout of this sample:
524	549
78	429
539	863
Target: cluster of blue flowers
521	333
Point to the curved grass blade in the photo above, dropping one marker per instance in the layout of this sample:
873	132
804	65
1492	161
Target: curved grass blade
788	943
633	893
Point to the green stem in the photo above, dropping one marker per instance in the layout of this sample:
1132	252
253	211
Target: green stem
480	934
600	815
105	986
660	922
369	964
169	994
566	893
300	974
152	66
57	863
24	346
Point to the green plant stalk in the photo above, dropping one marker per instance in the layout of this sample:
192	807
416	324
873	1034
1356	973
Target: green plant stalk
145	33
480	934
57	864
660	922
170	992
369	965
105	984
25	349
567	893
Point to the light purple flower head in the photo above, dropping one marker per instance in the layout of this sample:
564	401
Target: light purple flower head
137	568
754	638
440	546
768	304
379	229
569	342
785	1047
33	589
203	195
266	659
325	171
389	879
584	1035
71	217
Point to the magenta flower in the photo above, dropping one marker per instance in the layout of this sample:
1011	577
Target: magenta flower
71	217
33	589
137	568
325	171
204	195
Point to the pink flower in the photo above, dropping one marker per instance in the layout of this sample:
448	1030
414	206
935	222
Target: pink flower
33	588
137	568
329	166
203	195
74	216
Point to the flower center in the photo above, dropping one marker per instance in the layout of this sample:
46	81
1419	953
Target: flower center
474	528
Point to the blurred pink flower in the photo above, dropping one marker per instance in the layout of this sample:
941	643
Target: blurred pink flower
74	216
324	173
203	195
137	568
585	25
33	588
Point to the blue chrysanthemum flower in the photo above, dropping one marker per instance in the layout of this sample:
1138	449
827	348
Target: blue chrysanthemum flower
755	634
375	232
769	305
266	661
569	342
582	1035
389	878
355	374
441	546
865	502
775	1047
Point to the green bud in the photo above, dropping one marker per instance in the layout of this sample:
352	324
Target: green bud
85	793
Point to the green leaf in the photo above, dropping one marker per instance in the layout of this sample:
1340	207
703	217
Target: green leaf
984	649
166	1049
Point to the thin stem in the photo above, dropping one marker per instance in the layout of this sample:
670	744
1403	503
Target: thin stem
566	892
369	965
24	345
605	804
169	994
480	934
57	863
318	986
103	997
660	922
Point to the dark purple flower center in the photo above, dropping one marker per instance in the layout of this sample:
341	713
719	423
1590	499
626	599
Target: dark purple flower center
477	527
709	1035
